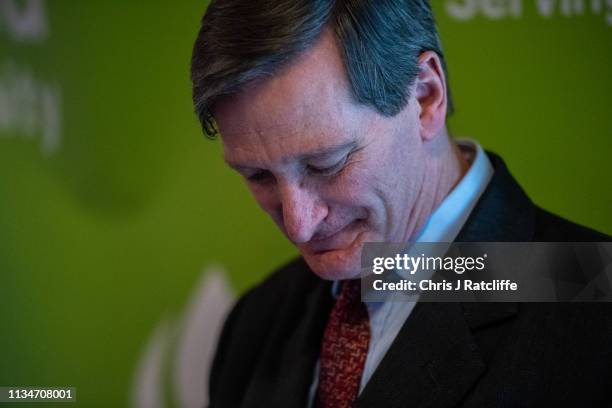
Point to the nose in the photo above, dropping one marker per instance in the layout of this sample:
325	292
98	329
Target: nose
302	212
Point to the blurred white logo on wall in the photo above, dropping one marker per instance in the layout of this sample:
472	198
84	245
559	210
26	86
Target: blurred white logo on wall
173	369
30	107
23	20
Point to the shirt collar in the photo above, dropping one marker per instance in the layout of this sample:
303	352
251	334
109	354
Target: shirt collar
444	224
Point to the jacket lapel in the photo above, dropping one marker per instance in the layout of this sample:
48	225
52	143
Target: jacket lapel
433	361
504	213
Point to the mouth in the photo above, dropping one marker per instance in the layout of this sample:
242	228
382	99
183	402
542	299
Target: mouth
343	238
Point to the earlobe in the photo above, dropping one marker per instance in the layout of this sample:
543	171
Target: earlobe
430	92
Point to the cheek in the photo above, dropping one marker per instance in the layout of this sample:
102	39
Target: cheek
381	190
353	194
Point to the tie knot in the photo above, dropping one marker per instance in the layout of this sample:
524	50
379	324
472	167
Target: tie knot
349	306
351	291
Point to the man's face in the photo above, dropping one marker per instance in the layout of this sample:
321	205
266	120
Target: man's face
331	173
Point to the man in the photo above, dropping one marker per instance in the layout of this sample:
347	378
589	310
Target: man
334	113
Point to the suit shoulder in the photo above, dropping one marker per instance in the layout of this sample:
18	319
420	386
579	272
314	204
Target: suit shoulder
248	327
265	298
285	279
553	228
289	274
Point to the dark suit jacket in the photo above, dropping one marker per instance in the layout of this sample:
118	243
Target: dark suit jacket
446	354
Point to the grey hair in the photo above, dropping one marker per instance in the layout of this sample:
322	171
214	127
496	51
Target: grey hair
241	41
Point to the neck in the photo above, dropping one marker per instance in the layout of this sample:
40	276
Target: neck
445	167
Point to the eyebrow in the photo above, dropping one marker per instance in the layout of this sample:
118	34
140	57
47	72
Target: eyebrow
314	154
327	151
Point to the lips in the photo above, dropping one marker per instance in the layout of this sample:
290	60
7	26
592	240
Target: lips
339	239
322	236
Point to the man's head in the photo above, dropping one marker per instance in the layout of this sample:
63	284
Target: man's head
337	155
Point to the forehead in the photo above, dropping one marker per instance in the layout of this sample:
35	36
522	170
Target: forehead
307	106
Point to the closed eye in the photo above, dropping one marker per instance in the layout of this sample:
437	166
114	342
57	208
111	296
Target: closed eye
260	177
328	170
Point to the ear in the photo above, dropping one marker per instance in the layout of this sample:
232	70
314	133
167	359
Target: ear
430	87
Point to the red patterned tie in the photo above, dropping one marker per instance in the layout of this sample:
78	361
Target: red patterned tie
344	349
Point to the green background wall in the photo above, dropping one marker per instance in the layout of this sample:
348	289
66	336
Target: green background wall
112	204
